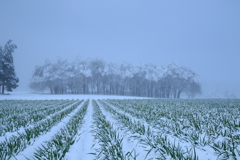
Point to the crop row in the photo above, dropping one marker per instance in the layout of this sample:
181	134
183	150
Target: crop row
12	146
14	122
201	122
9	108
108	138
61	142
158	142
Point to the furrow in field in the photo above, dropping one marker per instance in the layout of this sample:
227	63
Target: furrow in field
54	111
109	140
10	147
82	148
15	108
131	146
43	139
211	126
165	145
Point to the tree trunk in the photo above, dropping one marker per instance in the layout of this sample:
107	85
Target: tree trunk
3	87
179	93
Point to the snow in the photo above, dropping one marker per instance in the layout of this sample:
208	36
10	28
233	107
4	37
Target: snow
43	96
85	139
80	150
29	151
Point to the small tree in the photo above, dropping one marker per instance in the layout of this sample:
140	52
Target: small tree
8	78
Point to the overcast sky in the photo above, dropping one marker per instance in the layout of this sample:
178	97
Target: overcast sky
202	35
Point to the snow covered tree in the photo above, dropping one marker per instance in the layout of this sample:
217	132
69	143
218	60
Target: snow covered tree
96	76
177	80
8	78
52	76
97	69
41	78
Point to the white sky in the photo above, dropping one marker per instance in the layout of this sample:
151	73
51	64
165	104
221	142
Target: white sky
202	35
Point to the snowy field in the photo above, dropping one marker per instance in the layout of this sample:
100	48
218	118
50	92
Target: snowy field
36	96
88	127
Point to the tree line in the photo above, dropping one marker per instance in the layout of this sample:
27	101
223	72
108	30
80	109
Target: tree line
95	76
8	78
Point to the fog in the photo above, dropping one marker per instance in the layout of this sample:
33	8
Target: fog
203	36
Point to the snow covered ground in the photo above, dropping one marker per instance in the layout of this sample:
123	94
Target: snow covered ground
39	96
80	149
130	124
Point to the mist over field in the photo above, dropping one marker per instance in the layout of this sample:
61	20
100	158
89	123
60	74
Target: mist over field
203	36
